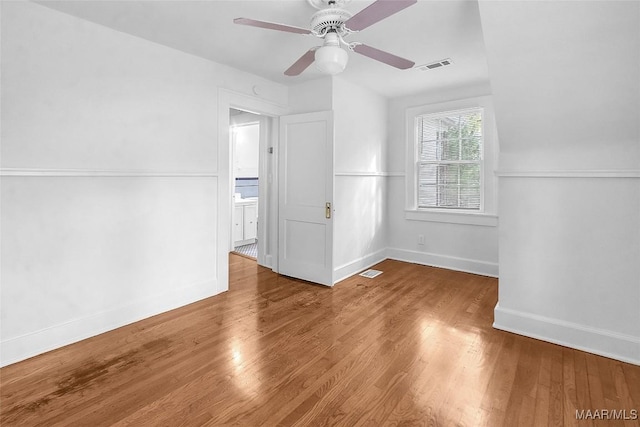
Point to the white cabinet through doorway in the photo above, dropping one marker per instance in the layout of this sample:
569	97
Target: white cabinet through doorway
245	222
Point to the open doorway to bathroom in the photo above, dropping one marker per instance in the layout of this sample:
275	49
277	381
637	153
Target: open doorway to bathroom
245	133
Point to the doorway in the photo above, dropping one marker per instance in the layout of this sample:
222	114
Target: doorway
250	168
267	249
296	229
244	133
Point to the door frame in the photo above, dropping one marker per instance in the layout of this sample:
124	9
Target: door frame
230	99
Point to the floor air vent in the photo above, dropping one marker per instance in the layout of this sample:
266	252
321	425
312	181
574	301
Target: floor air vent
370	274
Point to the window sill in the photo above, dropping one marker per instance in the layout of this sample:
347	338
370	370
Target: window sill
456	217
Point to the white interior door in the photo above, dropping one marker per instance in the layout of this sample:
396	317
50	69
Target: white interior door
305	244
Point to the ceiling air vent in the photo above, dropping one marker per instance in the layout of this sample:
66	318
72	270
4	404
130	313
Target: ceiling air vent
434	65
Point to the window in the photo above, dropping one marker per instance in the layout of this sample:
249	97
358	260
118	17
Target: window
451	156
449	160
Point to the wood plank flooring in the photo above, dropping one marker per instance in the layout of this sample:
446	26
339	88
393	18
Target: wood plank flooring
413	346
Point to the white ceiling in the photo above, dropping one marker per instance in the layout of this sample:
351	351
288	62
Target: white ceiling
425	32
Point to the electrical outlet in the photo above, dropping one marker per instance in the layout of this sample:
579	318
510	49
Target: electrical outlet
421	239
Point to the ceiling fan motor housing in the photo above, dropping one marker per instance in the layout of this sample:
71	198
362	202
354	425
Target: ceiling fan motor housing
331	19
321	4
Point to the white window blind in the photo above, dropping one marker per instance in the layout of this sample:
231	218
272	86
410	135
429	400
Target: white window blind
449	165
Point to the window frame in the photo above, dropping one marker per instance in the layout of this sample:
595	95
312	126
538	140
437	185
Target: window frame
487	214
480	162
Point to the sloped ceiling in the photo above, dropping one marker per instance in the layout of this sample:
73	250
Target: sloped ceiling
574	67
425	32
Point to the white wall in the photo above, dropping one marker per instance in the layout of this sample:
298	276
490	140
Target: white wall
110	178
311	96
449	242
360	130
565	83
246	146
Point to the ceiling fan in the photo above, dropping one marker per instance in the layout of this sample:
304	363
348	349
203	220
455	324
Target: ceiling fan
333	24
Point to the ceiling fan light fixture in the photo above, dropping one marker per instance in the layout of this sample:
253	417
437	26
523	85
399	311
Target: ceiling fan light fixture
331	59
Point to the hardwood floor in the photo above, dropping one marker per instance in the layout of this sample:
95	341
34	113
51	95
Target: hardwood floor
414	346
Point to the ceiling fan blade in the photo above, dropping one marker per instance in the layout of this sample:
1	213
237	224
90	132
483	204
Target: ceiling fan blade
375	12
301	64
382	56
271	26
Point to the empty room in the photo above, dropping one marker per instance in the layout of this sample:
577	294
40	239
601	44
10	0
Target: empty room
320	212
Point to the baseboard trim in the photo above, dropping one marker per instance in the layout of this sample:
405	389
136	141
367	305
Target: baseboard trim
602	342
32	344
349	269
482	268
268	261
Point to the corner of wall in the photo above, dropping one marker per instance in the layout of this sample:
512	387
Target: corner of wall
593	340
55	336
